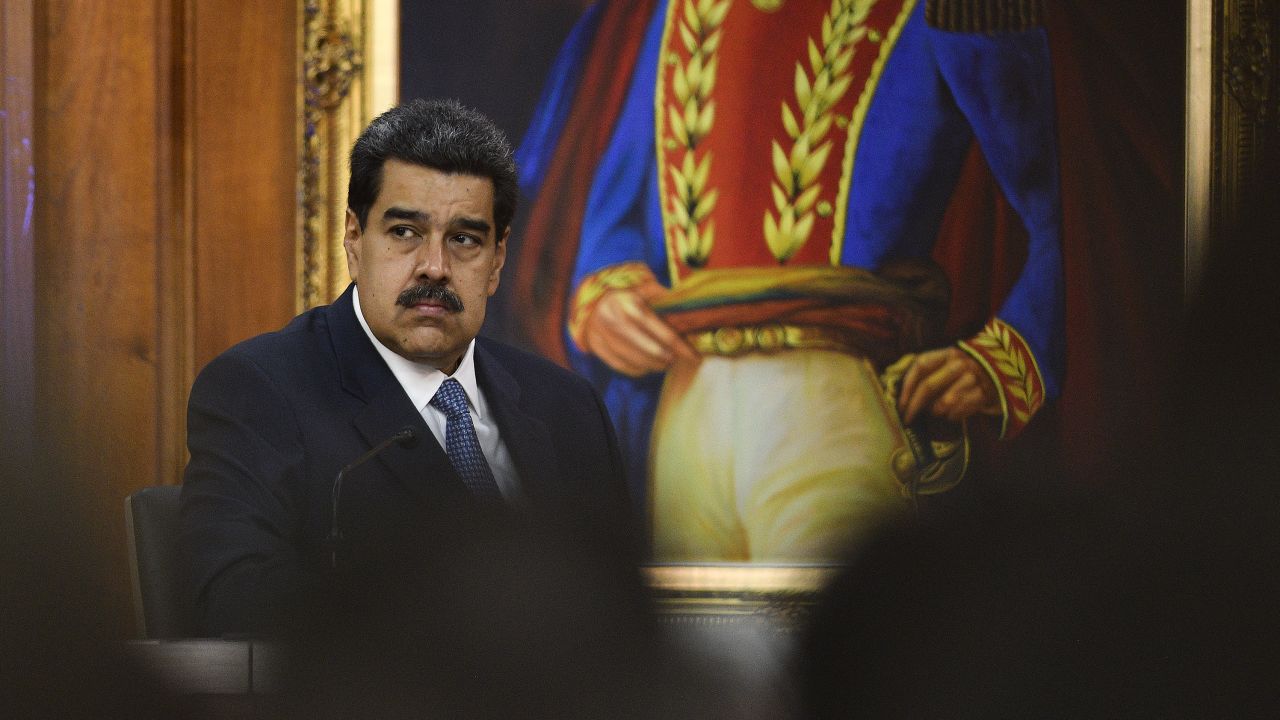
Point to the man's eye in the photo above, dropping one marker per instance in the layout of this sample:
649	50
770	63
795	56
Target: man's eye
466	239
403	232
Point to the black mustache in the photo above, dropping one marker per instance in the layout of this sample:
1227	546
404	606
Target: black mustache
437	293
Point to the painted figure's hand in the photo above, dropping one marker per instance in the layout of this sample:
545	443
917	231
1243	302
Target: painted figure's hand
947	383
625	333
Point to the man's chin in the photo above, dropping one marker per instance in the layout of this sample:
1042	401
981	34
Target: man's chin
444	356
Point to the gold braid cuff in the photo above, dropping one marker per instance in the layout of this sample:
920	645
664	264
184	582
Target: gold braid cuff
593	287
984	16
1005	355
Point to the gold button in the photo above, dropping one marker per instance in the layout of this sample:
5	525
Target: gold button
728	340
770	338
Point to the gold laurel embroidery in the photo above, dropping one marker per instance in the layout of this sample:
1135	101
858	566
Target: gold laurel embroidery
1011	364
691	117
817	91
594	286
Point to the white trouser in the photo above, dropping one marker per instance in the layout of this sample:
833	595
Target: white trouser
771	458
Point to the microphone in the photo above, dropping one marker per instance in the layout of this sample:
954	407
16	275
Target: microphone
406	437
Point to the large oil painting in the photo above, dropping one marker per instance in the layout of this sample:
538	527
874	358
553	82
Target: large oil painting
834	263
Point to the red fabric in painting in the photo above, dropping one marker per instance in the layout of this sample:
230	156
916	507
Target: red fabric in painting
548	242
1118	85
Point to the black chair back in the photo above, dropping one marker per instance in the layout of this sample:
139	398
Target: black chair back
161	607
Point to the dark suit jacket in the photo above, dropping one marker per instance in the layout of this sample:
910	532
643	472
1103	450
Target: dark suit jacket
272	421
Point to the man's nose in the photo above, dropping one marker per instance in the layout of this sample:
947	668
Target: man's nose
433	261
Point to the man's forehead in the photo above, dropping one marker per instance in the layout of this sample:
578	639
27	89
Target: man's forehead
400	192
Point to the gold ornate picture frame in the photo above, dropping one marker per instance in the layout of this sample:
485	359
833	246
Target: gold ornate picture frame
720	594
349	70
1232	118
348	54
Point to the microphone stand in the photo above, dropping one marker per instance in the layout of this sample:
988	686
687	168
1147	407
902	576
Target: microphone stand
406	437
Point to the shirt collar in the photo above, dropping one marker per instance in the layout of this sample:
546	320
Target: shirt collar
420	380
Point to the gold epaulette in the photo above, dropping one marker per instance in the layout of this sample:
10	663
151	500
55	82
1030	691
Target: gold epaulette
984	16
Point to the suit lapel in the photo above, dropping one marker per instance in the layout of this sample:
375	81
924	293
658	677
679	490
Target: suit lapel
423	469
525	436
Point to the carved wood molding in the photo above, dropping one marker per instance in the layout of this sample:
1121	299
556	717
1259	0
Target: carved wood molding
1246	103
1233	118
348	75
1249	64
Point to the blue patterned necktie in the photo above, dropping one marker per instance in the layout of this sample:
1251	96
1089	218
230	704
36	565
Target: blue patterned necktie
461	443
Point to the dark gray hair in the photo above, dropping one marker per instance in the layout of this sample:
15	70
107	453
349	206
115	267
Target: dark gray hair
440	134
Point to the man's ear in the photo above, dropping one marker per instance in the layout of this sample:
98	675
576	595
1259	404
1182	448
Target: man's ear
499	259
351	243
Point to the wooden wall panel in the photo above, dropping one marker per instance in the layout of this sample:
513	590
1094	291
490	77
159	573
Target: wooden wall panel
244	165
165	151
175	313
95	259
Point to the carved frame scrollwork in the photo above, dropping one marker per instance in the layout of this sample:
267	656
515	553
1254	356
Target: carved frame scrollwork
348	64
1233	116
1247	101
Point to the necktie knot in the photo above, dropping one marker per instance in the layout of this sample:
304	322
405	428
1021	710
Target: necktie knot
451	399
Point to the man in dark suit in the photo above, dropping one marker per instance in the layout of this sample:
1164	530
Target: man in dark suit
497	432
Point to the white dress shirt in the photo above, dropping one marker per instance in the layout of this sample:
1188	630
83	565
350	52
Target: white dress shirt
421	381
